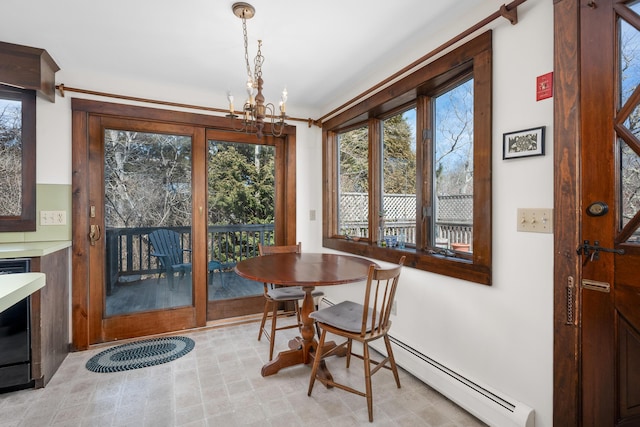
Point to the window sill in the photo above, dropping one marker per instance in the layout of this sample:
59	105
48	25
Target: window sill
459	268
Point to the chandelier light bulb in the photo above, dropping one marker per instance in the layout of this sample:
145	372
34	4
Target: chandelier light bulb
230	99
283	102
250	90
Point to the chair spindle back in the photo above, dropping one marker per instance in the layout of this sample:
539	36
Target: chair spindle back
378	298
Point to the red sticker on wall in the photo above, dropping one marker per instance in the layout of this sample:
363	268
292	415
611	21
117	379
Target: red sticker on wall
544	86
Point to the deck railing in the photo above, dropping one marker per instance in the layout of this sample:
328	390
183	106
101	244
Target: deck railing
447	234
128	250
454	217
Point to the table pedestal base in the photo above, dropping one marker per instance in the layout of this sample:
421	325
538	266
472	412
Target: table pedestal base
299	353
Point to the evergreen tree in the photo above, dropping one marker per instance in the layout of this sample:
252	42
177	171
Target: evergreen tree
241	184
399	158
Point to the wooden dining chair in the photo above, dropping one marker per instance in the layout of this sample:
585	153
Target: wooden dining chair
363	323
275	296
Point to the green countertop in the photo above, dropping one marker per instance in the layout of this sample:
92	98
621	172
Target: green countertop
16	287
31	249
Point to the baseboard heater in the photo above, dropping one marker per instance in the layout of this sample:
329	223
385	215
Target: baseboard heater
483	402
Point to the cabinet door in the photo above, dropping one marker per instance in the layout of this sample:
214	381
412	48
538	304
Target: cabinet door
50	316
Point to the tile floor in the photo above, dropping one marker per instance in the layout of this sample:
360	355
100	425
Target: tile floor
219	384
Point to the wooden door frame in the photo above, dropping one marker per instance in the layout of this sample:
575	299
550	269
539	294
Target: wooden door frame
567	214
82	111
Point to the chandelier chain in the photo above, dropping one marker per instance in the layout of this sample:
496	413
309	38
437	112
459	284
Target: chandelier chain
246	48
259	59
255	110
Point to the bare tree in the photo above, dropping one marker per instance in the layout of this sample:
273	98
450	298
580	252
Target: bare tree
10	158
147	179
454	140
630	152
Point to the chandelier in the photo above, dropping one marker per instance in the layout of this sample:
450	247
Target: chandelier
255	111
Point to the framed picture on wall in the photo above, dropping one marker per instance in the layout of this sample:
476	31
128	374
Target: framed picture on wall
523	143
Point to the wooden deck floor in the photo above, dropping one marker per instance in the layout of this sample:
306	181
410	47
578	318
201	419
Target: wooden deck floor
153	293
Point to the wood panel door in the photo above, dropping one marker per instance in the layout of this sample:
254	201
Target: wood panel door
609	317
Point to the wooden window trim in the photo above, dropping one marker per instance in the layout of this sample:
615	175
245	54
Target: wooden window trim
26	221
475	55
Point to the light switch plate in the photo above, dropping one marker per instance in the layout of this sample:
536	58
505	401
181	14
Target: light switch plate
535	220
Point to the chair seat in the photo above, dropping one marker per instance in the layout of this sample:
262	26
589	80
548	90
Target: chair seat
186	267
346	315
214	265
286	293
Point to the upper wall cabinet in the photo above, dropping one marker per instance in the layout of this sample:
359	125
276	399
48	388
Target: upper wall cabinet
28	68
24	71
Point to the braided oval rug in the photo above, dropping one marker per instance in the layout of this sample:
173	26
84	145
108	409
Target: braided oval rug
140	354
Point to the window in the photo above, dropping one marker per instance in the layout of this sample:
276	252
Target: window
409	169
398	198
353	185
451	227
17	159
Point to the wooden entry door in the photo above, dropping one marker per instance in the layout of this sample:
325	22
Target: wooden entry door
609	289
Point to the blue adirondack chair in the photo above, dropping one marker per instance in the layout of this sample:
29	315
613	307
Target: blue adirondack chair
213	266
167	246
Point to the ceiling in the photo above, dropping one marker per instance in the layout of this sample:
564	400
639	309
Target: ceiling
324	52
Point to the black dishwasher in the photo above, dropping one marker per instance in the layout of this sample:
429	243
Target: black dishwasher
15	338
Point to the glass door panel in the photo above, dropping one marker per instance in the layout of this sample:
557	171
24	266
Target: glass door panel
147	219
241	214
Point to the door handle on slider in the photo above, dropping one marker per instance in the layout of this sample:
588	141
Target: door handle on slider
94	234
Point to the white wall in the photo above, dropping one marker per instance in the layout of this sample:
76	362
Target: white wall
501	335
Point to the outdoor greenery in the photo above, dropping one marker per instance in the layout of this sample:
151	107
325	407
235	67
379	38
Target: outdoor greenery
241	183
148	181
399	158
399	163
453	149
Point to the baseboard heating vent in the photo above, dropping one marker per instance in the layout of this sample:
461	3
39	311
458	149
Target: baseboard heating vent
480	400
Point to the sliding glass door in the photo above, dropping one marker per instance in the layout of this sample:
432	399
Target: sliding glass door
164	205
147	220
241	192
142	228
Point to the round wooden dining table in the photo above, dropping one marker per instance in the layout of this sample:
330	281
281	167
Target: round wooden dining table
307	270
